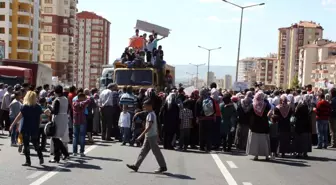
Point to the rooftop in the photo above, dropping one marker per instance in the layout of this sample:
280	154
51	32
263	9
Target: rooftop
305	24
330	60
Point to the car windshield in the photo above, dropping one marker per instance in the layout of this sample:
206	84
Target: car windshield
105	81
134	77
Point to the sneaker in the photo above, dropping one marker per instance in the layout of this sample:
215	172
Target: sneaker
132	167
161	170
82	154
20	148
74	154
13	145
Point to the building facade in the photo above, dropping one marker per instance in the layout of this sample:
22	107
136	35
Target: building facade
211	76
93	48
310	55
57	46
227	82
290	40
20	29
247	71
266	70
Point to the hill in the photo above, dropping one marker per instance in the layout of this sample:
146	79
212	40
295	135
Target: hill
220	71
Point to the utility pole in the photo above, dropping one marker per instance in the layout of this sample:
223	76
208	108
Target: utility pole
197	66
209	53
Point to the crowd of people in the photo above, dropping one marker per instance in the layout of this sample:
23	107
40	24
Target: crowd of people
262	123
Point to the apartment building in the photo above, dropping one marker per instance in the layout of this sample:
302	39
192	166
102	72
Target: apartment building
58	48
310	56
266	70
247	71
290	40
93	48
211	76
19	29
227	82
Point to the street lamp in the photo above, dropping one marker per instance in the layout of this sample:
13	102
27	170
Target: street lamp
192	76
209	52
197	66
241	26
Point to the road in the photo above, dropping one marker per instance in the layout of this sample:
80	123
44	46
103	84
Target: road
105	165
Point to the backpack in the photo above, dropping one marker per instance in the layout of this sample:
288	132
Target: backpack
208	107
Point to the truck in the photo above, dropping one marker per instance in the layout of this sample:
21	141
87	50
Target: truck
106	77
142	77
13	75
40	73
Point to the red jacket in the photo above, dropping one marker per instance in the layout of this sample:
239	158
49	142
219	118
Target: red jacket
323	110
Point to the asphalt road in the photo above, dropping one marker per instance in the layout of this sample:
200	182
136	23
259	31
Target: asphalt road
105	165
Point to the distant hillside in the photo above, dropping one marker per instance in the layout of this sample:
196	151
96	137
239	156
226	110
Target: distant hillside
220	71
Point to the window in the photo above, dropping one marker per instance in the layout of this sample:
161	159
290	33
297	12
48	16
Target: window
66	2
46	57
65	21
2	4
47	48
48	1
47	19
48	9
2	17
47	38
2	30
65	30
65	48
47	28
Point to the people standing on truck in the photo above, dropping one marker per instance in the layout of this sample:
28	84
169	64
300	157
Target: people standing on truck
6	100
44	91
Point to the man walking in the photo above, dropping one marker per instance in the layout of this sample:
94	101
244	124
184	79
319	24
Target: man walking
151	141
6	100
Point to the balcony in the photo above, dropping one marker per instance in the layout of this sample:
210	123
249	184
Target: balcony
324	71
24	37
315	71
24	12
23	50
24	25
26	1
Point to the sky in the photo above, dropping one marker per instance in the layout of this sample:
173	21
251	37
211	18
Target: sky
211	24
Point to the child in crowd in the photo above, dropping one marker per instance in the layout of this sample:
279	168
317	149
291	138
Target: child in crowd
44	121
125	125
138	126
273	122
186	116
79	123
14	110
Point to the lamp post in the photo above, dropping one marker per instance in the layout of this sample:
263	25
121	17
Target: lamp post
209	52
192	76
197	66
241	26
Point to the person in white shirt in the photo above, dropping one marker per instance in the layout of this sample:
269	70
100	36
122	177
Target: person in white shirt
125	125
276	99
2	92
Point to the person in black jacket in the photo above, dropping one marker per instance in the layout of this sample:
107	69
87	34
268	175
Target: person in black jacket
205	122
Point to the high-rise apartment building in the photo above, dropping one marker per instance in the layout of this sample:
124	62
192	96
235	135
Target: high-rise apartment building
227	82
93	48
247	71
211	77
57	46
266	70
317	63
19	29
290	40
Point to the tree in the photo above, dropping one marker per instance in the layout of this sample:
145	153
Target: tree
295	82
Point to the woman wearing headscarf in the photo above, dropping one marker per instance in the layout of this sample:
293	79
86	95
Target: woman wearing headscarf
244	114
59	112
302	140
283	113
96	114
258	143
194	141
291	101
169	117
205	121
216	126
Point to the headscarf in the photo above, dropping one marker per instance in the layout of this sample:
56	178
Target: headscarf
290	98
259	103
215	94
171	99
306	99
195	94
245	103
283	106
96	96
249	94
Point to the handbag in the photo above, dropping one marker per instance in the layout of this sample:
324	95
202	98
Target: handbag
50	128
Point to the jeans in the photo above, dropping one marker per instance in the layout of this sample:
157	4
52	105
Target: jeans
126	134
322	133
79	137
14	133
332	127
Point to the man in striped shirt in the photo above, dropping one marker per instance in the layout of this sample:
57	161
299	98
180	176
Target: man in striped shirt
129	99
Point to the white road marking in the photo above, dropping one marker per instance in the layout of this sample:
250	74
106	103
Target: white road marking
34	175
231	164
247	183
225	172
47	176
